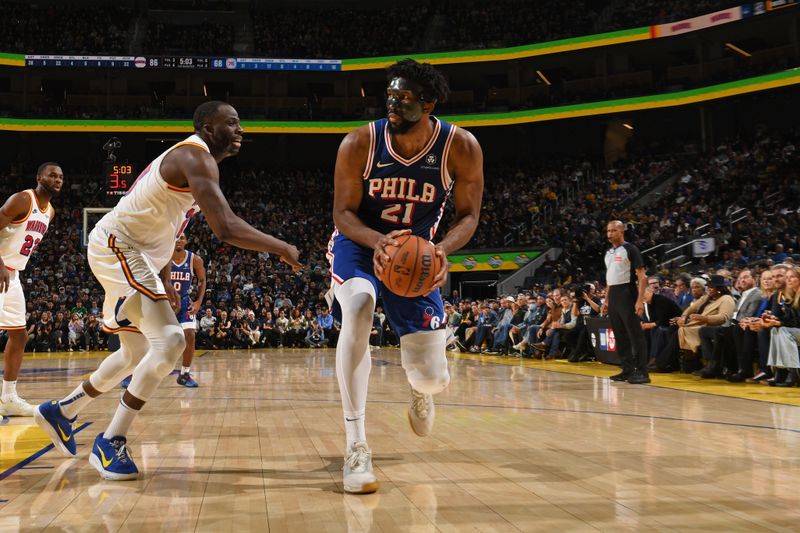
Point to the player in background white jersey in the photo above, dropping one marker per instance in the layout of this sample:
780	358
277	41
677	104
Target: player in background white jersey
24	219
130	252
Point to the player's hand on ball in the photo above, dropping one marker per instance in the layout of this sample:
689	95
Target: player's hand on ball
172	297
380	257
291	257
441	277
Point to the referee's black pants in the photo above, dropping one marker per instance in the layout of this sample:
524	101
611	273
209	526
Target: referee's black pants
631	344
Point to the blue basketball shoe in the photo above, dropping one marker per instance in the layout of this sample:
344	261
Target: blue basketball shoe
125	382
112	459
58	427
187	381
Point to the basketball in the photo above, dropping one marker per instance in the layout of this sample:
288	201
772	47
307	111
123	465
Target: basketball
411	267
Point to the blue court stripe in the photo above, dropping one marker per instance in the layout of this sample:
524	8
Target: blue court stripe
36	455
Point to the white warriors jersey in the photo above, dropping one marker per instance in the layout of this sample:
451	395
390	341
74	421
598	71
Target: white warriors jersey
154	213
20	238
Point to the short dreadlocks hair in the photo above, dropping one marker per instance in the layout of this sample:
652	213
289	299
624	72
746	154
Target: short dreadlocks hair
434	85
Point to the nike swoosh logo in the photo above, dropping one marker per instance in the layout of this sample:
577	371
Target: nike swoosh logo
381	165
103	457
61	432
350	419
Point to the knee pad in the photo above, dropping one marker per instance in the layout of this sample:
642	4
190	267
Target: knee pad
423	356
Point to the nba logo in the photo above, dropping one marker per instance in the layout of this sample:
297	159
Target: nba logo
607	341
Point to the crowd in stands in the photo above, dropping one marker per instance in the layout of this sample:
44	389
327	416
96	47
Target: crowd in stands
253	300
740	324
206	38
322	31
64	28
338	32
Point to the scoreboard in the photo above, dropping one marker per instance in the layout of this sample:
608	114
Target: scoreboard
118	178
183	62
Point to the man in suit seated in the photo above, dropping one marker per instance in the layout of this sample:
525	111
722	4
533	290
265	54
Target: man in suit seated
661	334
718	343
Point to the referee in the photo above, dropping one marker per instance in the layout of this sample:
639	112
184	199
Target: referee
624	302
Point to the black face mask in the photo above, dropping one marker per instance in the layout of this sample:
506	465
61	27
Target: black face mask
409	108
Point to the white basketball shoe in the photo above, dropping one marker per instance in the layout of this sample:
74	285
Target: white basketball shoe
358	477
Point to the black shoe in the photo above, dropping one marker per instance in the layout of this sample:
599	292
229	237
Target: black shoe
711	371
622	376
791	379
638	377
781	375
739	377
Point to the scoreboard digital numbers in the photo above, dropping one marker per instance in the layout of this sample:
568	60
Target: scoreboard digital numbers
119	178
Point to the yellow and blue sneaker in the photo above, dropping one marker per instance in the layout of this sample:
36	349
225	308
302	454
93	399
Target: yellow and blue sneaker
112	459
48	416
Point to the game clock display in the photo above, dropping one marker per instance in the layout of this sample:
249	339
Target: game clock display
119	178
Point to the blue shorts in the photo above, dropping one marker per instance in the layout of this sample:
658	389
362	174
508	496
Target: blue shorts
186	319
406	315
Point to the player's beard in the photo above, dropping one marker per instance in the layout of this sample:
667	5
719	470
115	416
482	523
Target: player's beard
403	127
50	190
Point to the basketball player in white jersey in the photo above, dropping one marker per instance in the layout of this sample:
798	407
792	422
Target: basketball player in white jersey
24	219
130	253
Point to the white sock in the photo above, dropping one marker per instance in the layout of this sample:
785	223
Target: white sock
185	370
9	390
354	428
121	422
74	402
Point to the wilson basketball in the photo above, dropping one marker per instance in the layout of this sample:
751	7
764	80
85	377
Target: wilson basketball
412	266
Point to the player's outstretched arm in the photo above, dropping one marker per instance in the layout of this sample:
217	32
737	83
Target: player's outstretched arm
201	173
466	164
15	208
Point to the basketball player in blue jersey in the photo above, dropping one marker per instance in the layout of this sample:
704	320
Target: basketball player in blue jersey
393	178
185	266
130	252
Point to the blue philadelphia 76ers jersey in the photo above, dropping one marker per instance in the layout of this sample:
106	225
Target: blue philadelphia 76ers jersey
404	193
181	278
182	275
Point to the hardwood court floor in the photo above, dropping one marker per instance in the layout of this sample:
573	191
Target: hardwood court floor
258	447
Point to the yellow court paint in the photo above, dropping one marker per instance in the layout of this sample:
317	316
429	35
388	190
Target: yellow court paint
674	380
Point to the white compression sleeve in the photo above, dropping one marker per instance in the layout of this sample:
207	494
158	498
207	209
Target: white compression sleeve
424	360
119	364
165	335
356	297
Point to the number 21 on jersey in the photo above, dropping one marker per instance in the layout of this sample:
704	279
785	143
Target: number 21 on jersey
392	213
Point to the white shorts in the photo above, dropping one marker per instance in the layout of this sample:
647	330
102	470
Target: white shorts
12	304
122	271
189	325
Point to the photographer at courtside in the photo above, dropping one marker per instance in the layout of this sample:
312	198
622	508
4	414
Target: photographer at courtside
624	303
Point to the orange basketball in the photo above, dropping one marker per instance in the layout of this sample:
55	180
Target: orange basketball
412	266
